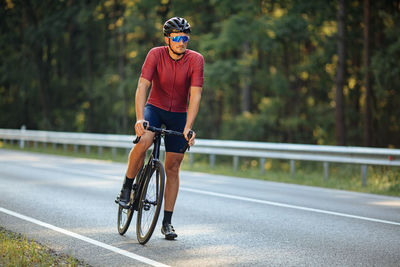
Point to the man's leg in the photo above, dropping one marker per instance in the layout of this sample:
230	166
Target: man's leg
172	165
138	153
136	160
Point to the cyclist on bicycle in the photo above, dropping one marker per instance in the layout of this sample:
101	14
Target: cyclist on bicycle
175	73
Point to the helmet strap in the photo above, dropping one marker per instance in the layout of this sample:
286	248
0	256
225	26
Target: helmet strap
169	45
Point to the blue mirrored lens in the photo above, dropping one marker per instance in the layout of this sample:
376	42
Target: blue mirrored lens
180	38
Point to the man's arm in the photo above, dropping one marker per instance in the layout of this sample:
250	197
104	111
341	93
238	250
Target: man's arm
193	108
140	101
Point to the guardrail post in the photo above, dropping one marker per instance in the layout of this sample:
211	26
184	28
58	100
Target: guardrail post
87	150
22	140
54	146
75	149
212	161
191	160
364	175
292	168
114	152
235	163
45	146
35	145
65	147
326	171
262	166
100	150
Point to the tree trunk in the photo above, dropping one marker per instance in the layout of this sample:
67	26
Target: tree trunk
245	81
121	70
37	51
340	75
367	78
89	125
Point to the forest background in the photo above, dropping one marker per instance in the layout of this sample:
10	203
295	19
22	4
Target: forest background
293	71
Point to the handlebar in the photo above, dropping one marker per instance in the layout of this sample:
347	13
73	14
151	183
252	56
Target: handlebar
165	132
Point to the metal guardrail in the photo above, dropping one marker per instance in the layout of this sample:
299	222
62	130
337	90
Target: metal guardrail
292	152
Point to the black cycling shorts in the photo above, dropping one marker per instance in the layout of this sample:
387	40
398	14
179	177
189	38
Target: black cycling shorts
175	121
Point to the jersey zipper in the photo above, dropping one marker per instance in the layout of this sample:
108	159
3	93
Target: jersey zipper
173	86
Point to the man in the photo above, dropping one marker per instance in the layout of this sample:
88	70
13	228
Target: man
175	73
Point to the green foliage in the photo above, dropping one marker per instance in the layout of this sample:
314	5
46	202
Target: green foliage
74	66
387	76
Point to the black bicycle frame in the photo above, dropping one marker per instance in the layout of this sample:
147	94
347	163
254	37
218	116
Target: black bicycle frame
156	148
155	155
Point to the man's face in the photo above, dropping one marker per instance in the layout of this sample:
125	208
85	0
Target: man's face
178	47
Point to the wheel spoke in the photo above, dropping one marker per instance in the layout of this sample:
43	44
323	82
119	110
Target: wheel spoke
151	201
124	219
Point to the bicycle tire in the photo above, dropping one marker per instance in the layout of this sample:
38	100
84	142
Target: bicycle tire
122	224
150	203
124	219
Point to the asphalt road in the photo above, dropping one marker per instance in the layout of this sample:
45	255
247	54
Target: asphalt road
68	204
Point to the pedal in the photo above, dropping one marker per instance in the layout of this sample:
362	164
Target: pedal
117	200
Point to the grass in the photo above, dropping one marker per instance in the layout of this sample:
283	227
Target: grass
382	180
16	250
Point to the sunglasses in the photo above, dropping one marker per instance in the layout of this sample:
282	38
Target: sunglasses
177	39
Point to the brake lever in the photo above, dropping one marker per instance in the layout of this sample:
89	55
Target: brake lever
138	137
189	135
136	140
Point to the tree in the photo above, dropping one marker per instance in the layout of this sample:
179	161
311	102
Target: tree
282	71
367	77
340	78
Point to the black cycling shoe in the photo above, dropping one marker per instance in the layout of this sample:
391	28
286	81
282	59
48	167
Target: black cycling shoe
125	197
168	231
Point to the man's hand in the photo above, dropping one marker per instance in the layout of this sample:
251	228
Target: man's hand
139	128
191	141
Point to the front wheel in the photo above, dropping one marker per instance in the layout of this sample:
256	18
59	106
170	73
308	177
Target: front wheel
150	203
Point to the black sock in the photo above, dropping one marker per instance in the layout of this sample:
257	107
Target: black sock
128	182
167	217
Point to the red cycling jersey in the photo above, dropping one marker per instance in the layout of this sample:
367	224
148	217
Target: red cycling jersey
172	79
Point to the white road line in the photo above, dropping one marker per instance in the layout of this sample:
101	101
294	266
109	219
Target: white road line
288	206
84	238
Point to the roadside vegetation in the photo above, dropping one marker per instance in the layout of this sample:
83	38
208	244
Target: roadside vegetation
381	180
16	250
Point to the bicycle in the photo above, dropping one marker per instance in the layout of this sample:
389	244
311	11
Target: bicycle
147	190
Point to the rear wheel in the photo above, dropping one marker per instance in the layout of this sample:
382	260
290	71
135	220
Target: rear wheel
125	215
150	203
124	219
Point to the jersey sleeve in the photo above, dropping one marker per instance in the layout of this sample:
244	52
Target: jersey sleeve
149	65
198	72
